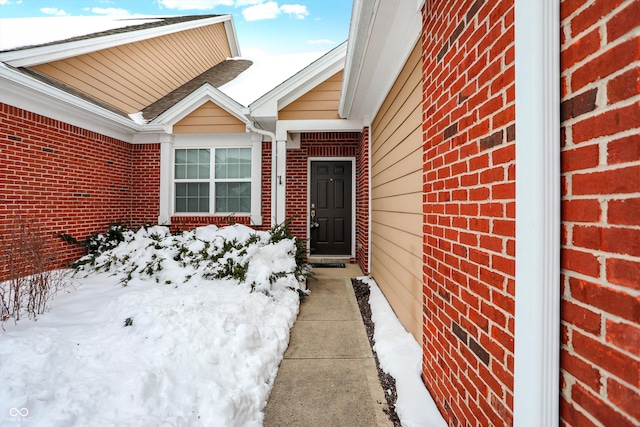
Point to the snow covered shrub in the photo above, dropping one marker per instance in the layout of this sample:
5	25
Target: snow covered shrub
261	260
29	258
281	232
99	242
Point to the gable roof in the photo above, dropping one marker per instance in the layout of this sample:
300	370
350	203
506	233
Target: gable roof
27	56
265	109
216	76
205	93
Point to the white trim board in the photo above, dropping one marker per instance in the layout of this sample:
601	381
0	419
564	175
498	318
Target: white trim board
29	57
537	299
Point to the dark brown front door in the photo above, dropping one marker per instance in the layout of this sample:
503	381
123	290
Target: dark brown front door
331	203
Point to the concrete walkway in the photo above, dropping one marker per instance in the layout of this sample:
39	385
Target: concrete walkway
328	375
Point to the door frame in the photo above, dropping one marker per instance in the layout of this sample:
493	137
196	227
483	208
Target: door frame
353	198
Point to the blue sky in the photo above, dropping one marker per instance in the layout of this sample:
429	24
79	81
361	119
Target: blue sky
276	27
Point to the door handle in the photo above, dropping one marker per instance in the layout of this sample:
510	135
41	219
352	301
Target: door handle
313	224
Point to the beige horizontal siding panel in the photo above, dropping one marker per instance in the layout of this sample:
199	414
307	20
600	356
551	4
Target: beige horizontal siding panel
408	119
406	244
178	130
404	221
408	148
396	196
407	184
133	76
401	203
404	166
320	103
309	115
209	118
387	273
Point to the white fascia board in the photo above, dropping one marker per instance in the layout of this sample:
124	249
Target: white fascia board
336	125
300	83
195	99
232	36
27	93
39	55
382	44
362	14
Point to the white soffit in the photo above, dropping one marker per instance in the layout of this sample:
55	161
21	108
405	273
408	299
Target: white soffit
29	57
382	36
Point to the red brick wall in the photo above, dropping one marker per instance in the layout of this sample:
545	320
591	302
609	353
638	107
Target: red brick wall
68	179
146	184
312	144
362	202
469	208
600	259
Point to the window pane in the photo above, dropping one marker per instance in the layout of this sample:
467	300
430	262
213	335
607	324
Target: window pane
245	171
233	197
203	171
181	156
192	197
203	156
192	164
192	156
245	189
245	155
181	171
233	163
245	204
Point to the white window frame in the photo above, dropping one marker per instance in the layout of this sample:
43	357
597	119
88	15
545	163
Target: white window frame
212	142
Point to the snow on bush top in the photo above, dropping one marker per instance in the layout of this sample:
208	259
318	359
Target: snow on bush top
262	260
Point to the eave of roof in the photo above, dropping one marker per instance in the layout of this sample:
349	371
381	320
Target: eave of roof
381	37
34	55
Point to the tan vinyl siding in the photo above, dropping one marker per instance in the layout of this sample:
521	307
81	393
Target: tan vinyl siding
209	118
133	76
321	102
396	197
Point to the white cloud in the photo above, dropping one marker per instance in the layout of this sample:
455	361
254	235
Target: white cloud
321	41
269	10
299	10
112	11
53	11
2	2
193	4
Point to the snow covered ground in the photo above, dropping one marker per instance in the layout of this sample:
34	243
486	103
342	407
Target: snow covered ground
401	357
175	346
197	352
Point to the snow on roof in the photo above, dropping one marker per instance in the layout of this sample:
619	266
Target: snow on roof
21	32
267	72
